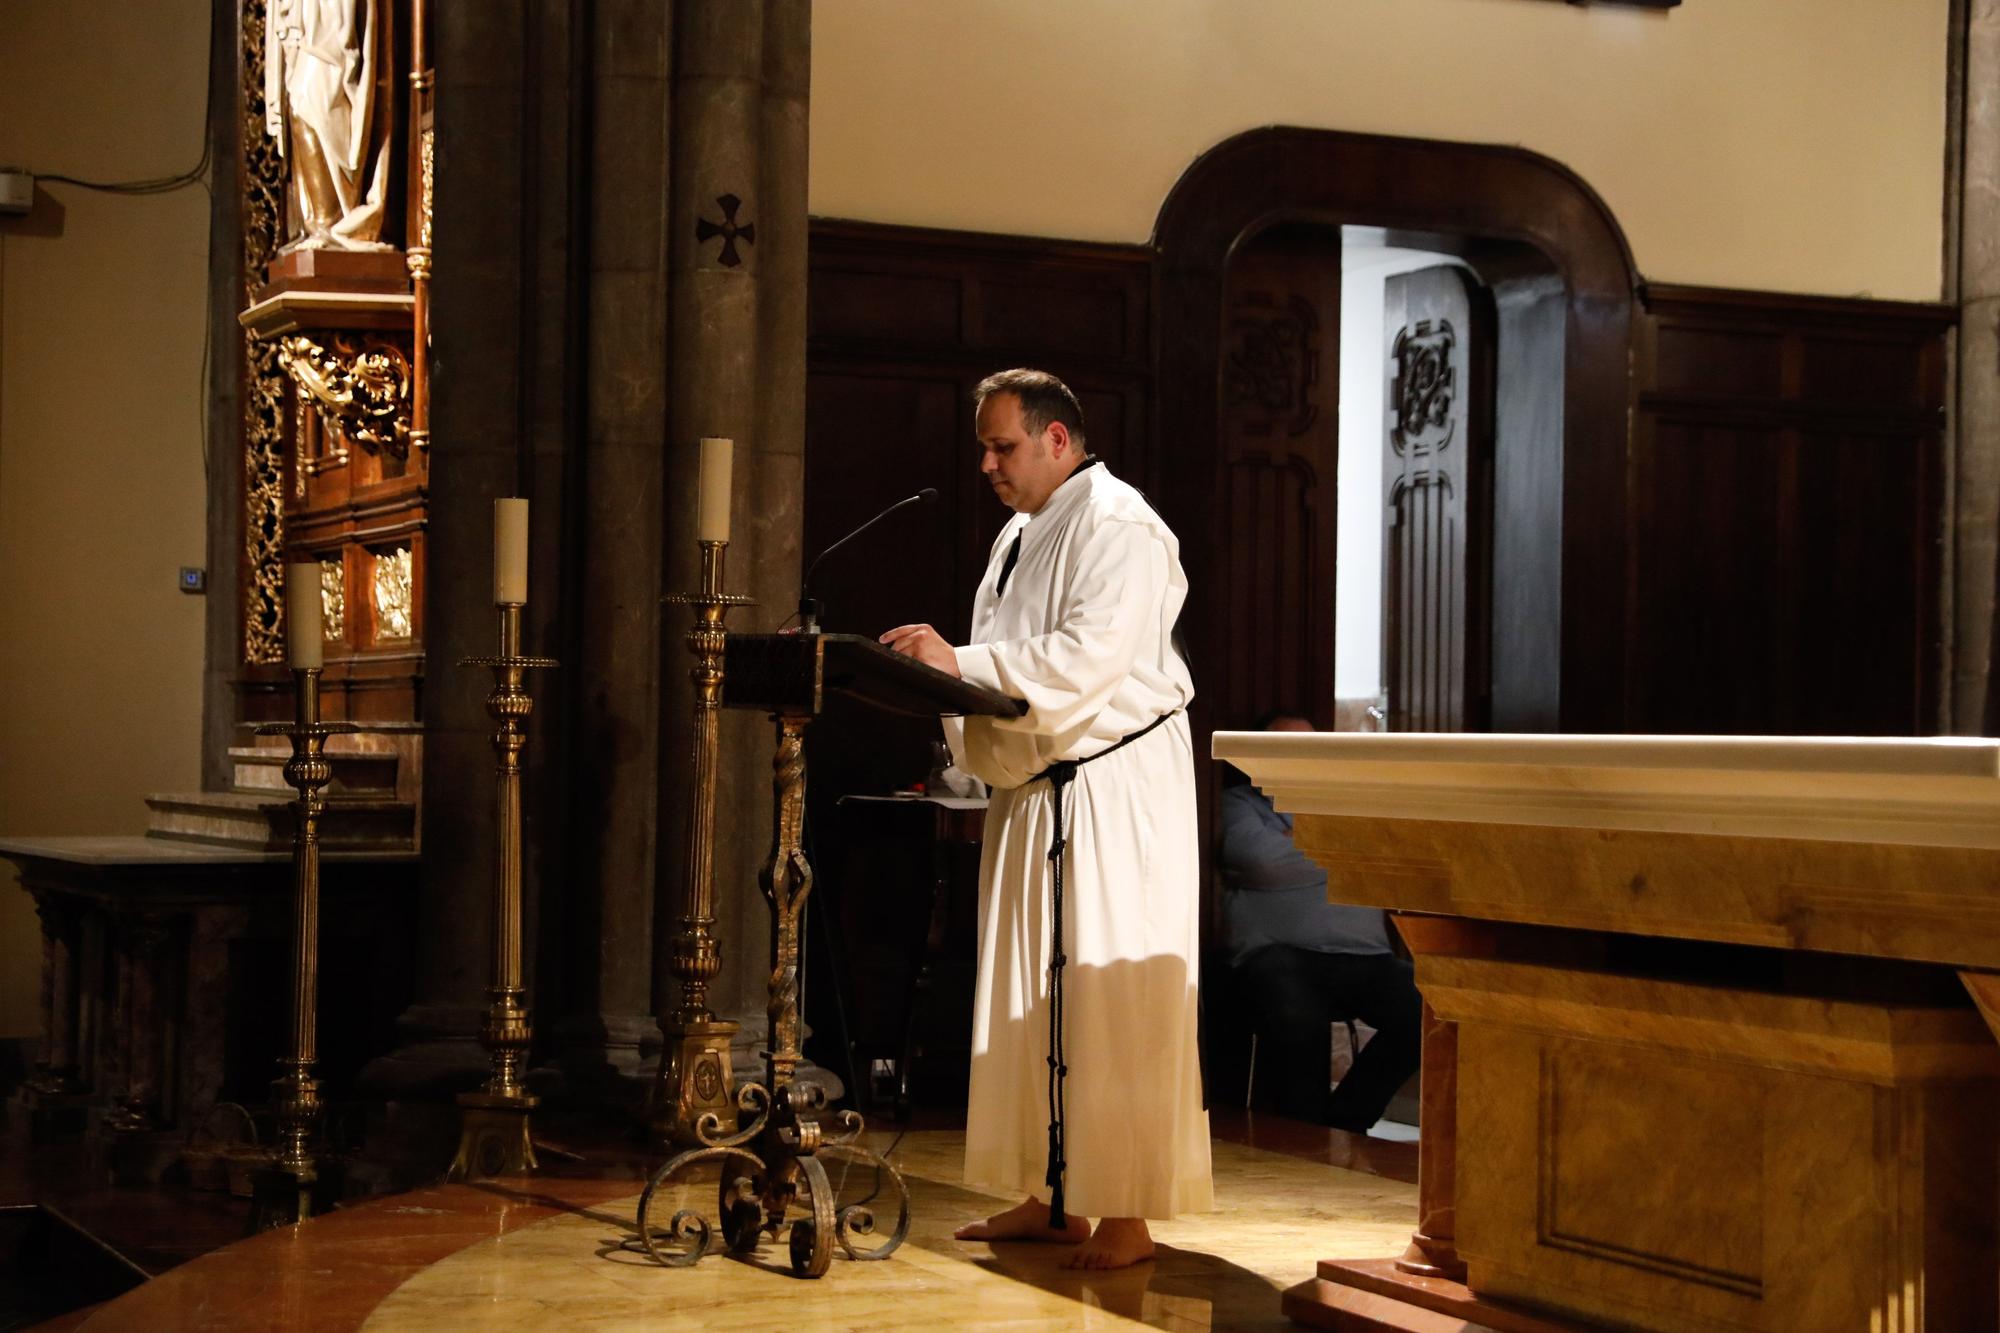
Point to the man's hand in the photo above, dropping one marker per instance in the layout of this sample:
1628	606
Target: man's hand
925	644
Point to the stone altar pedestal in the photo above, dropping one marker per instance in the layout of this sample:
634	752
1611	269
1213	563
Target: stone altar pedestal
1717	1059
164	976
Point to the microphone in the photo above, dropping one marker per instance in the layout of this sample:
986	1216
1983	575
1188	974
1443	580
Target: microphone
808	608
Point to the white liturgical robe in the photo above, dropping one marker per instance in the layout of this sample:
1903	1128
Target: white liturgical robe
1083	633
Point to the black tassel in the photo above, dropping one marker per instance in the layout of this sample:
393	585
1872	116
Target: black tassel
1059	776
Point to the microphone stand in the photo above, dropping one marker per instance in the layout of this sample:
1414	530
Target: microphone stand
809	607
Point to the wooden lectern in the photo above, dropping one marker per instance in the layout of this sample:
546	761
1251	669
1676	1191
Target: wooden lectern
790	676
1704	1044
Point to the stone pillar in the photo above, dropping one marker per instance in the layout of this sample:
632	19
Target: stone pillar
1973	281
605	716
142	1097
587	330
775	519
737	230
55	1068
485	336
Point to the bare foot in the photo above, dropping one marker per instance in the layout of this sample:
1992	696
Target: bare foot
1118	1242
1028	1220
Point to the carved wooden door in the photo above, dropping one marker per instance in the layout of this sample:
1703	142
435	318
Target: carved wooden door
1437	483
1280	379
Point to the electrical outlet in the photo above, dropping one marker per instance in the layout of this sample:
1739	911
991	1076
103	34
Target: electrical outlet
17	190
193	580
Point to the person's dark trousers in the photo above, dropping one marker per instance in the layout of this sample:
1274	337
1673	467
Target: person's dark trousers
1296	995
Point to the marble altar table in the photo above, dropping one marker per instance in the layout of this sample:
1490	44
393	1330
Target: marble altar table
1704	1034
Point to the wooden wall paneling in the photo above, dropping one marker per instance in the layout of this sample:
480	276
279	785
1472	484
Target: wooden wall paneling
1280	463
1473	192
1526	630
902	324
1710	593
1787	509
1864	659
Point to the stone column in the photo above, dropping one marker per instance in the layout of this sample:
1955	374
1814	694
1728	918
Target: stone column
1973	281
485	341
737	228
606	709
55	1068
774	519
141	1099
597	309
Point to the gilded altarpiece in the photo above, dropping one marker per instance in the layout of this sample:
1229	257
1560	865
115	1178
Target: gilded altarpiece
336	283
264	391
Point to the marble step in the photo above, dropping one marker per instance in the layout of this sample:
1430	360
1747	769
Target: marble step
262	822
371	773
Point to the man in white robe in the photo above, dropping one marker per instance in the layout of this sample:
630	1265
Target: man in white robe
1076	616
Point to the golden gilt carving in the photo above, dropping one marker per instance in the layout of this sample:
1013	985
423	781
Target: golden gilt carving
429	174
361	385
393	587
263	178
332	601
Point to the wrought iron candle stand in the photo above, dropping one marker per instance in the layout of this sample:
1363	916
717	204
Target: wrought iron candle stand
776	1163
494	1136
293	1188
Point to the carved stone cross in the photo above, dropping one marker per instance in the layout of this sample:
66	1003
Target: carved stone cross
728	230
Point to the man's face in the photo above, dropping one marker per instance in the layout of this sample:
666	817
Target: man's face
1023	469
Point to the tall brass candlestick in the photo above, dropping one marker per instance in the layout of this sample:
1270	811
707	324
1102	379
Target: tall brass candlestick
286	1194
495	1137
694	1078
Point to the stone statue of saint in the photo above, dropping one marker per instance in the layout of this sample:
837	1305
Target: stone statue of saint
321	104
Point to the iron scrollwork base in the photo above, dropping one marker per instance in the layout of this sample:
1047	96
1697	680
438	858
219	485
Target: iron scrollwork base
761	1188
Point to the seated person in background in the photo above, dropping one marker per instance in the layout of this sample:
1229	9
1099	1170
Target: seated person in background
1303	964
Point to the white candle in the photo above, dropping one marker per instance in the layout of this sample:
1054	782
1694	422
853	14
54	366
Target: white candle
510	552
304	643
712	522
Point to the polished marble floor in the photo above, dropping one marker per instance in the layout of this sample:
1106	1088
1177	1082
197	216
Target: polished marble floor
547	1253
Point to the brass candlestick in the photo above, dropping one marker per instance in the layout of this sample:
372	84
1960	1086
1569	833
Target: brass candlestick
695	1086
494	1136
287	1193
776	1163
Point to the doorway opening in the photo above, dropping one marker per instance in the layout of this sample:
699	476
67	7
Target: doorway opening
1250	412
1391	450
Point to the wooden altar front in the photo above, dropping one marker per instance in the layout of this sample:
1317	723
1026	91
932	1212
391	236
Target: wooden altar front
1704	1043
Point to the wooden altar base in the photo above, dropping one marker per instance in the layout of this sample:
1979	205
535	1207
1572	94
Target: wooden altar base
1366	1295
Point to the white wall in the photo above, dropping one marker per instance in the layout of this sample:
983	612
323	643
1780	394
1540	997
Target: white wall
1791	145
101	487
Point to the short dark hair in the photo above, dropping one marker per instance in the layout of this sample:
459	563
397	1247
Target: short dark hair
1042	396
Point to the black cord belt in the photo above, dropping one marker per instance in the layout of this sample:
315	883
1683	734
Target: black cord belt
1060	774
